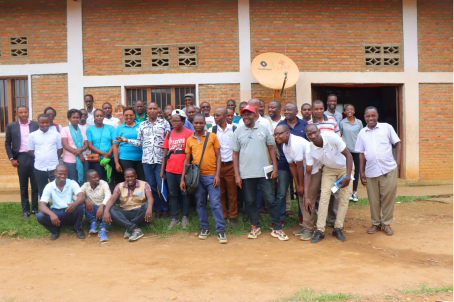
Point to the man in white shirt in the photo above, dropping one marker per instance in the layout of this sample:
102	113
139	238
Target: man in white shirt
83	124
45	146
108	118
274	111
205	108
378	169
330	150
224	132
88	100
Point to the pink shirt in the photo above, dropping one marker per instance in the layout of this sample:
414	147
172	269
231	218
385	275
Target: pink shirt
24	132
66	133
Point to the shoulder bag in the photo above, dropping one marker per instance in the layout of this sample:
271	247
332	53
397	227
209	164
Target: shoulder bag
96	157
192	172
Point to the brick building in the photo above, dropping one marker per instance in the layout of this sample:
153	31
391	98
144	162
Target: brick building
393	54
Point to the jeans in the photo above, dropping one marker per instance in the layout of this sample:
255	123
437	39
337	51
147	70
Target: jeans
250	190
136	165
91	217
284	179
102	172
152	176
74	218
175	196
129	219
43	178
206	186
72	172
25	171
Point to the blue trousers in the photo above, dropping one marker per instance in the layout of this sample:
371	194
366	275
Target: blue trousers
152	176
175	196
91	217
206	186
284	179
74	218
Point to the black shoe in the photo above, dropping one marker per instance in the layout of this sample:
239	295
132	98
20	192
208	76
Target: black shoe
80	234
54	236
232	222
338	234
317	237
26	216
34	212
245	217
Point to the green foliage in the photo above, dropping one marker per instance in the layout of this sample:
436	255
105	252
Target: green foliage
424	289
308	295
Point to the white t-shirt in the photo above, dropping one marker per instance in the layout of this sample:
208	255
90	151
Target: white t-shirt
113	121
275	123
209	120
330	154
261	121
296	149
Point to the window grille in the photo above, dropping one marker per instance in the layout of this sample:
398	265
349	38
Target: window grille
382	55
187	55
160	56
18	46
132	57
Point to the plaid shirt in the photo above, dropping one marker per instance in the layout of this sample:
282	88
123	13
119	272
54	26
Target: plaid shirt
131	189
99	195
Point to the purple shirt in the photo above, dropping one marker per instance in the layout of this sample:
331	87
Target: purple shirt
376	144
24	132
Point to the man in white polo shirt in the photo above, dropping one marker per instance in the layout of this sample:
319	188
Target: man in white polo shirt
380	174
330	150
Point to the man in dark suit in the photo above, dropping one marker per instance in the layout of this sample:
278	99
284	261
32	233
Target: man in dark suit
16	148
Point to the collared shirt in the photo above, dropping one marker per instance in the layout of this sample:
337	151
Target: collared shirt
329	124
350	132
60	199
131	189
194	146
113	121
151	137
90	116
225	138
376	144
45	145
298	130
187	124
141	119
295	149
99	195
253	151
261	121
276	123
329	154
337	115
24	132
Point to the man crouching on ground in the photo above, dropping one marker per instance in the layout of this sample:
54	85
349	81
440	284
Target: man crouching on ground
136	203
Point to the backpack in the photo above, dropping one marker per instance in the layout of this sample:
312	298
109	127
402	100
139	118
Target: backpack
215	129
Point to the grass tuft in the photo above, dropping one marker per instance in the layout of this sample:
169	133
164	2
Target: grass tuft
308	295
424	289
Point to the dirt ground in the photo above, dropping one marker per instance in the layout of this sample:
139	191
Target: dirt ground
184	268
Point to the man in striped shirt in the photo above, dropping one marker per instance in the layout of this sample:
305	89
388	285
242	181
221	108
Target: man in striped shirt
321	120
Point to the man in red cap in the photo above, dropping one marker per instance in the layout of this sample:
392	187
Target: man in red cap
255	141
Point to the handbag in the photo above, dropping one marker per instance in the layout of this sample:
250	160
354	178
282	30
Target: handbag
192	172
95	157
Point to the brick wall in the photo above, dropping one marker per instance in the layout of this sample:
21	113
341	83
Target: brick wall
324	35
266	94
109	24
217	95
5	165
435	131
435	35
104	94
50	90
43	22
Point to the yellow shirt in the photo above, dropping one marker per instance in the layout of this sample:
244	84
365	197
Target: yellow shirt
194	147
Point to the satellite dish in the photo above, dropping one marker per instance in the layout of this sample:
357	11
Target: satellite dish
274	70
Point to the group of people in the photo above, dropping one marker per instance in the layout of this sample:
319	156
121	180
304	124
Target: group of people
115	168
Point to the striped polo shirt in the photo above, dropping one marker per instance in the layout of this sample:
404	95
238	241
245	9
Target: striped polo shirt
329	123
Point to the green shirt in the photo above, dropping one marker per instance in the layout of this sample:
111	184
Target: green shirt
141	119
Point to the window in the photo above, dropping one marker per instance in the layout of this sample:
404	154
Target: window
132	57
162	96
18	46
160	56
187	55
382	55
13	92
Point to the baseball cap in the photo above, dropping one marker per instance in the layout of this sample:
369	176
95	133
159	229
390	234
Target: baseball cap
248	108
189	95
179	112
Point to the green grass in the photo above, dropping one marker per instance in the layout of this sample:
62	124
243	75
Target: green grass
364	202
308	295
424	289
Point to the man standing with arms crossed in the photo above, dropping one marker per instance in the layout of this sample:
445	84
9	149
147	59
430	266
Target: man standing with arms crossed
330	150
378	169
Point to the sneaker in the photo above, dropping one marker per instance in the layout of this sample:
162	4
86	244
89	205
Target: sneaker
103	235
279	234
351	197
204	234
93	228
317	237
127	234
222	238
80	234
255	231
232	222
355	197
306	235
338	234
173	223
185	222
136	235
299	232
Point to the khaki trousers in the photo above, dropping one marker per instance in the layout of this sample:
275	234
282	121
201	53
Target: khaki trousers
308	219
329	176
382	192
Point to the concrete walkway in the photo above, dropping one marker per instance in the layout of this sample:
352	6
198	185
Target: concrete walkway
401	191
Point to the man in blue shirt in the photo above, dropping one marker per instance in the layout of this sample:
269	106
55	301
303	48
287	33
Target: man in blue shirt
64	209
296	126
